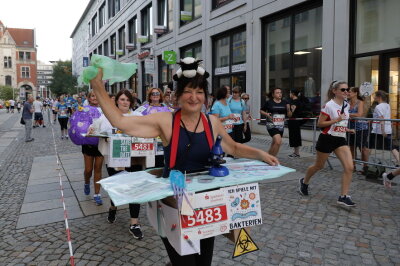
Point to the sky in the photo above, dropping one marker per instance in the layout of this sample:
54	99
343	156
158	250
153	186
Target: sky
54	21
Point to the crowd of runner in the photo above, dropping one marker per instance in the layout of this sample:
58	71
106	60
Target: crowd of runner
228	114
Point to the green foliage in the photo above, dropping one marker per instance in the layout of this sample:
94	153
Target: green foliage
63	81
6	93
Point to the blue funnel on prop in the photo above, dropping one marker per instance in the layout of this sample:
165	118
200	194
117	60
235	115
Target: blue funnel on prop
217	155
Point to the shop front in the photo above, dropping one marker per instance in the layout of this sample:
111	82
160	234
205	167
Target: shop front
229	64
292	52
375	48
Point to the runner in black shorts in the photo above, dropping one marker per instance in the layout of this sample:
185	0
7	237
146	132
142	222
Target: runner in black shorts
275	109
334	121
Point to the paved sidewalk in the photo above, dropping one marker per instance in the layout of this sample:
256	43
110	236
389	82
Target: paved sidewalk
296	231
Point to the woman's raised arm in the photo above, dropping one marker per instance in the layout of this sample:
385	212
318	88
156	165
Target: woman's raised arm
138	126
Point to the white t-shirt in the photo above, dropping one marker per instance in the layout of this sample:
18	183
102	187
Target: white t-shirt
37	105
382	110
12	103
332	110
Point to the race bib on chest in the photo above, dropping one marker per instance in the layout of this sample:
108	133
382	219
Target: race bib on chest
236	119
339	129
278	120
228	124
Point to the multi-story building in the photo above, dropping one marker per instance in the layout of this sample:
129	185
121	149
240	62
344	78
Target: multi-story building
8	73
44	78
258	44
25	60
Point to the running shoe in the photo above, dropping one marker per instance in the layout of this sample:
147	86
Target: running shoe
98	200
134	229
294	155
86	189
111	215
62	137
346	201
303	189
66	136
386	181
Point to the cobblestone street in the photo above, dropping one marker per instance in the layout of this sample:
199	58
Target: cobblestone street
296	230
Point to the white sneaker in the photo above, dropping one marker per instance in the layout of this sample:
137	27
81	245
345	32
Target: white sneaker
386	181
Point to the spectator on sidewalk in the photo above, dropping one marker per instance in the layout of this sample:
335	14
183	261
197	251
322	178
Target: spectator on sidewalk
360	139
295	111
7	104
38	107
27	112
381	133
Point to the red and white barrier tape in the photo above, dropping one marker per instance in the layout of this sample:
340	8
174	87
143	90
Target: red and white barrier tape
68	232
305	118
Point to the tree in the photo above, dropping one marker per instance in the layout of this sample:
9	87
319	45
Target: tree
63	81
6	92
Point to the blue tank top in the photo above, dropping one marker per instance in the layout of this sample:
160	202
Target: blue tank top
357	124
192	160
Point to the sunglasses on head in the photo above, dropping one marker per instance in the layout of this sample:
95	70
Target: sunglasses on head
155	93
345	89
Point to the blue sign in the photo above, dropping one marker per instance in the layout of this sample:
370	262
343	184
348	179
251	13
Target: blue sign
85	61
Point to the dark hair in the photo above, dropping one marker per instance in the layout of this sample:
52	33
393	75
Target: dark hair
357	91
149	94
127	93
221	93
272	91
198	81
296	92
334	85
383	95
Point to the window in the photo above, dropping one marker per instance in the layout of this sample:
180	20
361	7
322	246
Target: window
100	49
192	50
25	72
229	66
113	7
94	25
7	62
377	25
112	44
121	41
132	33
105	45
165	14
28	55
102	15
21	55
8	81
164	72
219	3
147	23
192	7
293	53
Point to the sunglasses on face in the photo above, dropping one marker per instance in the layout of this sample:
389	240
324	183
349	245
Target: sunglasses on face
345	89
168	92
245	98
235	92
155	93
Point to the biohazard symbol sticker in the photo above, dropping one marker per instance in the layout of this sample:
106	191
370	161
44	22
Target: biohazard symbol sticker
244	244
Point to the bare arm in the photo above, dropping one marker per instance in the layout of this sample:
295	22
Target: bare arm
139	126
239	150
